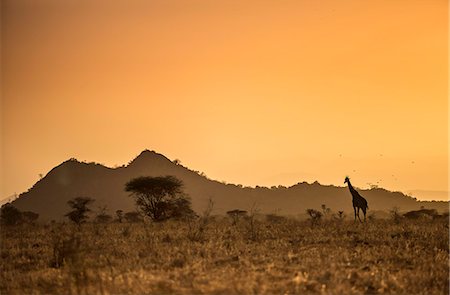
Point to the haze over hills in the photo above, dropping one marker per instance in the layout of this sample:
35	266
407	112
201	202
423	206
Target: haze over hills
72	178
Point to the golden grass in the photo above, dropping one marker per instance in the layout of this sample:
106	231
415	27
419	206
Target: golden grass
279	257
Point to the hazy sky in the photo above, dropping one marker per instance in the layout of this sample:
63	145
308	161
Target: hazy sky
250	92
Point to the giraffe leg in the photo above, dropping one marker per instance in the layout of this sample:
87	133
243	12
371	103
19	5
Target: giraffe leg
358	216
354	209
364	211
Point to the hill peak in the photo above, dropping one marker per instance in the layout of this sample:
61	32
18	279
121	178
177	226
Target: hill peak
147	156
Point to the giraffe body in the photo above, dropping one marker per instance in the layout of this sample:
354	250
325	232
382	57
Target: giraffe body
357	200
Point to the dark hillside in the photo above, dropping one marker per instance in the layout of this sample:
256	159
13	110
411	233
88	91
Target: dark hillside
49	196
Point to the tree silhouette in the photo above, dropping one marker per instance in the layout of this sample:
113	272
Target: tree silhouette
10	215
80	209
160	198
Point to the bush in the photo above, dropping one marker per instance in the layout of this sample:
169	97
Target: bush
314	215
80	209
340	215
10	215
236	214
197	226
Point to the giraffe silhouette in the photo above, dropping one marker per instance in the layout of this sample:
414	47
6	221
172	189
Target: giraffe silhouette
358	201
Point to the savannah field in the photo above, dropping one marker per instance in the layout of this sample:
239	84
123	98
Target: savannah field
211	255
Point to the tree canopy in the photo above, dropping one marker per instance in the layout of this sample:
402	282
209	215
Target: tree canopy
161	197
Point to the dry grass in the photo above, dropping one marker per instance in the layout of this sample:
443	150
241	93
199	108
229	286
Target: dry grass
270	257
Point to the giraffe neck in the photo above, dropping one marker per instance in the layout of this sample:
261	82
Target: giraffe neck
352	190
350	186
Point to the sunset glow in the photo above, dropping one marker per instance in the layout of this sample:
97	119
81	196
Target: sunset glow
250	92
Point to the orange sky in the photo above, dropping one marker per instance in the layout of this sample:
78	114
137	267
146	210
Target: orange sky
250	92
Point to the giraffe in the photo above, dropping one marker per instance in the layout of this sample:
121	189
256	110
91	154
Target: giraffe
358	201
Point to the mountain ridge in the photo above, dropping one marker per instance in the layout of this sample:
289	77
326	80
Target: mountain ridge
73	178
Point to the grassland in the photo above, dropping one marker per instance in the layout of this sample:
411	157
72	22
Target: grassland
213	256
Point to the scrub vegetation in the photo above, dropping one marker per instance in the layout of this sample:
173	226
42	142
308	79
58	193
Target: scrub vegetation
254	254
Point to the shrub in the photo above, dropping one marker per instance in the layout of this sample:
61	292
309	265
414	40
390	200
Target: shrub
236	214
314	215
80	209
197	227
252	224
325	210
340	215
10	215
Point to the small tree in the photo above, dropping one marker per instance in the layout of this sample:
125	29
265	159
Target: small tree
80	209
159	198
10	215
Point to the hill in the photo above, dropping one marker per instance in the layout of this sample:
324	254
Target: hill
72	178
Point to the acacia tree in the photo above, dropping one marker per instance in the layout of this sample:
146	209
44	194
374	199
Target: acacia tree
160	198
80	209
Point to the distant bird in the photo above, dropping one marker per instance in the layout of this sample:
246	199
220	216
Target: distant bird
358	201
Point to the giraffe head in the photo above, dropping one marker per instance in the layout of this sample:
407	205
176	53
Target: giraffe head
347	180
